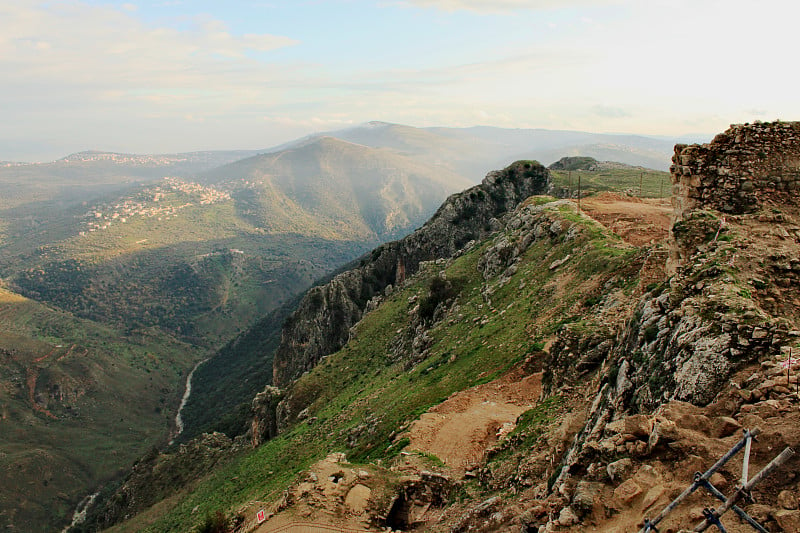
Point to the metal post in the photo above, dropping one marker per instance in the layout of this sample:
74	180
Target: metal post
569	184
744	490
709	514
736	509
746	461
699	479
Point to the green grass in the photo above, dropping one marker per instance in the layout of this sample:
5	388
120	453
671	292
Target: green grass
654	184
530	427
111	396
362	395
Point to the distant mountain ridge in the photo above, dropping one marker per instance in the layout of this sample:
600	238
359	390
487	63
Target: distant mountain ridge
476	150
337	189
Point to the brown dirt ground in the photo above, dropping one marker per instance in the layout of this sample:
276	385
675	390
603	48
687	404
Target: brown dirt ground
331	497
638	221
459	430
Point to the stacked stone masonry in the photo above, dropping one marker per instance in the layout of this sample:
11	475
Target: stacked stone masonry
740	170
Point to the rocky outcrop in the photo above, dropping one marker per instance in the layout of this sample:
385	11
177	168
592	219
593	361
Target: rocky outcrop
321	324
158	476
717	313
575	163
687	336
263	422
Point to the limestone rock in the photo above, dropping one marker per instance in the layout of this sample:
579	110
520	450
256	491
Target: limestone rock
627	491
585	496
620	470
725	426
788	521
567	517
787	500
321	323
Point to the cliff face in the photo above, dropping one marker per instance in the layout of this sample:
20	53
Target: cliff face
734	249
321	324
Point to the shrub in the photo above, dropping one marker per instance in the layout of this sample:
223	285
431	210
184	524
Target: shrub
439	291
215	522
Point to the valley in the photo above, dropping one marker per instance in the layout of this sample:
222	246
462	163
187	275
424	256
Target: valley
566	369
79	401
121	272
139	267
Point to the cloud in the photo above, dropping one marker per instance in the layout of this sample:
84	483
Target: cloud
102	48
503	6
610	111
98	76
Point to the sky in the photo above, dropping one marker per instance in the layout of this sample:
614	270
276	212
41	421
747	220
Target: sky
161	76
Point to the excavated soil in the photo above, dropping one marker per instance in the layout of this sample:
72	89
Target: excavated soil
639	221
459	430
332	496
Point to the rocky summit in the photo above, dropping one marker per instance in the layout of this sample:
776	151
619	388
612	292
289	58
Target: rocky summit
523	363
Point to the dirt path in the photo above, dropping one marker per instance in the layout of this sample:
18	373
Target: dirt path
186	393
331	496
459	430
638	221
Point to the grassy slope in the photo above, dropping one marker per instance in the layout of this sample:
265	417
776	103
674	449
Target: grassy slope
363	383
654	183
175	271
109	398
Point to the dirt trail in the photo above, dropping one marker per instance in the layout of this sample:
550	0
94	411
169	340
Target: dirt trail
331	496
31	378
459	430
638	221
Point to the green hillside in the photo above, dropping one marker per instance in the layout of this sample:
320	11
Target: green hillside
640	182
173	255
360	399
206	261
123	265
79	402
337	190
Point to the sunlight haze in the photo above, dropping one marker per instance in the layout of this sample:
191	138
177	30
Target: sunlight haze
170	76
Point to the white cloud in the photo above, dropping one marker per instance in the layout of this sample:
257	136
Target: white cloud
100	77
102	48
503	6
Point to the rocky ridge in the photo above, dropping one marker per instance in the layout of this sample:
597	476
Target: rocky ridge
680	375
643	384
322	321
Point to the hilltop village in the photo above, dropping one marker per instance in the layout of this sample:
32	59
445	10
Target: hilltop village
162	202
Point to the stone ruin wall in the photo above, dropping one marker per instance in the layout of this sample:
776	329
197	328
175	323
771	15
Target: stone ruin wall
747	167
740	170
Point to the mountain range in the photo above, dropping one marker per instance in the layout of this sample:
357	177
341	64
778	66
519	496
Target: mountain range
524	363
158	261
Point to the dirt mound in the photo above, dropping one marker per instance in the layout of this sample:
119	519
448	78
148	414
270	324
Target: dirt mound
638	221
459	430
330	496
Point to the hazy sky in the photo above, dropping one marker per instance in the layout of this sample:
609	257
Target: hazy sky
180	75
